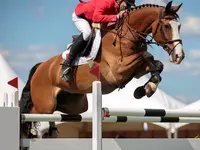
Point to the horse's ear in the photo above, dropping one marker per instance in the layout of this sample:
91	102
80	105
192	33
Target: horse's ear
168	7
176	8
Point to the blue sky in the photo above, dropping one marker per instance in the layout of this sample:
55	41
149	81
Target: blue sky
35	30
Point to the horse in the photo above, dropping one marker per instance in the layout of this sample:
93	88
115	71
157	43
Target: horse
122	56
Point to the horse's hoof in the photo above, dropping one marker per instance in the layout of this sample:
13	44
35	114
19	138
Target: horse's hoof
139	92
34	132
150	89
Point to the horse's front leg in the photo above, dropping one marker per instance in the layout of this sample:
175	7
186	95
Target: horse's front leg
155	67
151	85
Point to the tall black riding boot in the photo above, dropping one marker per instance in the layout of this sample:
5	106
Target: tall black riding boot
78	45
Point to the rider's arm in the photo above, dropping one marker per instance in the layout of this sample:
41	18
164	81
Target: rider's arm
99	15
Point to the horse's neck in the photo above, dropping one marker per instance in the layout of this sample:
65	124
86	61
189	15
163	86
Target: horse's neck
120	59
140	20
143	18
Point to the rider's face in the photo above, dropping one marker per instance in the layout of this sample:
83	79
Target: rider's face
122	4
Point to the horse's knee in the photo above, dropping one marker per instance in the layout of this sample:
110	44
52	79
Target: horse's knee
159	65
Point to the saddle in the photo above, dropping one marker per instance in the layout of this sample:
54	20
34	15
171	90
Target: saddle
87	48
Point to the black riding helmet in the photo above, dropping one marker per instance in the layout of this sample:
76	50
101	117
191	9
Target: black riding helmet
129	4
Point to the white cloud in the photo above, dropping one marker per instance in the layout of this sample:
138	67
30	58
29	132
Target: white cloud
184	99
186	67
190	65
191	26
3	51
43	52
194	54
26	58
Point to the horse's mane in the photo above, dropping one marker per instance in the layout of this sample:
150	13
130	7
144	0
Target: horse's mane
146	5
154	5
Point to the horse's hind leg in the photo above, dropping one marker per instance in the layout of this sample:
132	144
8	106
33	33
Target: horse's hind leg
44	103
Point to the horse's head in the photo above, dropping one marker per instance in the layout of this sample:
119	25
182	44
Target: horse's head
166	32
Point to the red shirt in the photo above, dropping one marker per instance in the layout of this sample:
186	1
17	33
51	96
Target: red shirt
98	11
86	9
105	11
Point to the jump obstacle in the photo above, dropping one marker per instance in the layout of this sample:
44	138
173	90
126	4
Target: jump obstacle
11	124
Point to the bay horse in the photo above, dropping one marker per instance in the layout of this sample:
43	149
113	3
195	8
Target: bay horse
126	58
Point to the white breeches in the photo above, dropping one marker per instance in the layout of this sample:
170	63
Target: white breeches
82	25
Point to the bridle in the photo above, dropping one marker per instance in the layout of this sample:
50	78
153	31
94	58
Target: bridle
165	44
144	35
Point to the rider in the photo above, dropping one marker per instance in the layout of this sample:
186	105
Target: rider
96	11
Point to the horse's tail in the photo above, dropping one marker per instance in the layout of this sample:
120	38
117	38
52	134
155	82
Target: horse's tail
26	103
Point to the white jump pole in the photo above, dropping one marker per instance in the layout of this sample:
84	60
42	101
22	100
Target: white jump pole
151	112
89	118
96	116
55	118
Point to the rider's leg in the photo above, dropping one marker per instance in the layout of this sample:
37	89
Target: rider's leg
84	27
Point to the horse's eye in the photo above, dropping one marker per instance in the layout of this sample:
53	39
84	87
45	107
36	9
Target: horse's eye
168	26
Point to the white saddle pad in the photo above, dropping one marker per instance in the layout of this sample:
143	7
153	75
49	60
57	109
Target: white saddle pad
93	53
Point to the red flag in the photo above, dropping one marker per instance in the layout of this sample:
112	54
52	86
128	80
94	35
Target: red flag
14	82
95	70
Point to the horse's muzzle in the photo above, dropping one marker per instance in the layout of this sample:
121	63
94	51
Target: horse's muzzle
177	58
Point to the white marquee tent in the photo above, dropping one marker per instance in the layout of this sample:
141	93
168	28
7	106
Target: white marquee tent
193	106
7	74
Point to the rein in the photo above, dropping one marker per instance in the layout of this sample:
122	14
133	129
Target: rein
148	42
164	45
